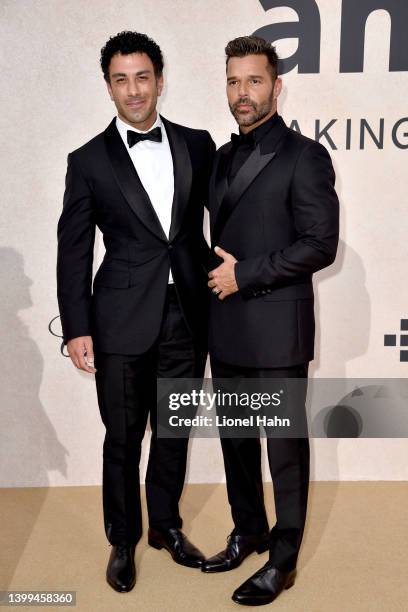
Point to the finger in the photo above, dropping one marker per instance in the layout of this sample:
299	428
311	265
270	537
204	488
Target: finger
222	295
212	283
89	348
83	365
221	253
75	360
89	357
211	274
90	363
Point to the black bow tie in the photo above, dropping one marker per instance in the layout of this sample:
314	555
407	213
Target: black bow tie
135	137
243	139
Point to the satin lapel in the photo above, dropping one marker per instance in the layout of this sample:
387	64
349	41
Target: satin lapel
218	182
247	173
129	182
183	175
255	163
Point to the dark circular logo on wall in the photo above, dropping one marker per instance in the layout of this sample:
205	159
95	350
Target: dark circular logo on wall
55	329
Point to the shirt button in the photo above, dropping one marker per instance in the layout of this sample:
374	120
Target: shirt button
170	246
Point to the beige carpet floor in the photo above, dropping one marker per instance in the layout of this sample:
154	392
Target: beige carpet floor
354	555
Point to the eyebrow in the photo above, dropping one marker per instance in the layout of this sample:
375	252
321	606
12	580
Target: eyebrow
123	74
251	76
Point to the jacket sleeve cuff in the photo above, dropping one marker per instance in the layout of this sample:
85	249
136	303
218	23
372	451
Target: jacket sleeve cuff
243	275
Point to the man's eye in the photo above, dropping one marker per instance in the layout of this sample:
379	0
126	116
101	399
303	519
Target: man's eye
120	80
255	80
232	83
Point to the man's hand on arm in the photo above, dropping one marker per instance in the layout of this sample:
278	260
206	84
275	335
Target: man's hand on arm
315	209
81	352
222	279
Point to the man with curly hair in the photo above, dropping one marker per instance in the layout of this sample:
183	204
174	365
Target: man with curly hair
143	182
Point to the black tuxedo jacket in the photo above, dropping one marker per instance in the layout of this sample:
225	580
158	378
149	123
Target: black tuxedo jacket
124	311
279	218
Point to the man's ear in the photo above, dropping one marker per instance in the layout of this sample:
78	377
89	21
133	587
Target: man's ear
160	84
109	90
277	88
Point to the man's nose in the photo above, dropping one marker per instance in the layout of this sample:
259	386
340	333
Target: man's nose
133	87
242	90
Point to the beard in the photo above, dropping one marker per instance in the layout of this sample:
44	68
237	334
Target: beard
256	113
137	115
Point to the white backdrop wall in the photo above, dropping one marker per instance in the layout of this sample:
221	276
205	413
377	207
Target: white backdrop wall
54	99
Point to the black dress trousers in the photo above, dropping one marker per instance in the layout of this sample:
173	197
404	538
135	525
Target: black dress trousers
289	461
126	390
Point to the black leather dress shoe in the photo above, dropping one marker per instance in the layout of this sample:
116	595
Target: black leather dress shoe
238	548
121	571
178	545
264	586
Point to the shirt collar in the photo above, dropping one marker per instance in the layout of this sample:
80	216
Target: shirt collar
124	127
259	132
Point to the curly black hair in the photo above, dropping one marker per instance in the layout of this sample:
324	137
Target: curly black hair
131	42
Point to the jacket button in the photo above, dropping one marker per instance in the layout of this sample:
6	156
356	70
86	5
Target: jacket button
170	246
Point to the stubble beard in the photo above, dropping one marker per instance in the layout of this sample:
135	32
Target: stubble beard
136	116
250	117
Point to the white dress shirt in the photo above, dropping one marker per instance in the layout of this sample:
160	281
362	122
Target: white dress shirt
153	162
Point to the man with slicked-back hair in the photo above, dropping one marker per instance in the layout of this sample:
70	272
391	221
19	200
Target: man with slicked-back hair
274	222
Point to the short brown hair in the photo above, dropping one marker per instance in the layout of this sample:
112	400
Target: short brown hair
253	45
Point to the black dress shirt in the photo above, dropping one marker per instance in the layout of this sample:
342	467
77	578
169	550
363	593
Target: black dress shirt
244	144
